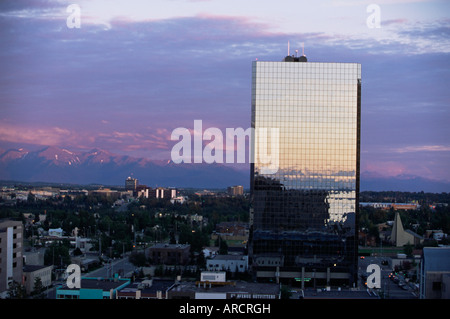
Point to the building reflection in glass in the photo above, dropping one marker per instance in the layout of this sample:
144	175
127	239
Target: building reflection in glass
304	213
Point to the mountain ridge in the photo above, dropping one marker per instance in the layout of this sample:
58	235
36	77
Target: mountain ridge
98	166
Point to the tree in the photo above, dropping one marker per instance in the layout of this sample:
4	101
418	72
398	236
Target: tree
223	246
77	252
285	292
38	288
57	254
408	249
138	259
16	291
31	198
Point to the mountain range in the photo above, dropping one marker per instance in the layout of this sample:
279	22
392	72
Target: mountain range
59	165
97	166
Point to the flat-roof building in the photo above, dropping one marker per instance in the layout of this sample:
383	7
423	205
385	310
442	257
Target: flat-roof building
32	272
93	288
224	290
169	254
231	263
435	273
146	289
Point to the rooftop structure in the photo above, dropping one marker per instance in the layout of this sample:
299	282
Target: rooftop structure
93	288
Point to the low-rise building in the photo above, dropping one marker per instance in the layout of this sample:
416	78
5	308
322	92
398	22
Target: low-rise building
219	288
55	232
93	288
34	257
32	272
146	289
435	273
235	190
232	263
169	254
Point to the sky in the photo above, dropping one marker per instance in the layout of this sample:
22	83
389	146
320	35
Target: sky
136	70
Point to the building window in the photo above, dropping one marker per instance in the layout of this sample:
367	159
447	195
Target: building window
437	286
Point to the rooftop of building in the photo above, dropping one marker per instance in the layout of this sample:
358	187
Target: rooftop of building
8	222
148	286
106	284
338	294
170	246
437	258
228	257
228	287
31	268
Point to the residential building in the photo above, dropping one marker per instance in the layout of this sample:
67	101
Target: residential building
305	170
11	258
142	191
235	190
169	193
159	192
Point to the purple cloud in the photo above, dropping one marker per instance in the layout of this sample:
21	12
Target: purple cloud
127	87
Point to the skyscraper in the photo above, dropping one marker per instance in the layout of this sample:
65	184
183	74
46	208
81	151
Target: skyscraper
131	184
305	207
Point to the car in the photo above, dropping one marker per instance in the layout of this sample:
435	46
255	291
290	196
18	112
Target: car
362	257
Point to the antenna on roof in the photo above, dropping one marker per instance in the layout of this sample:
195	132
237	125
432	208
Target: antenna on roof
289	51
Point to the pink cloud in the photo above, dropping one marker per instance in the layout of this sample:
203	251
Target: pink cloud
56	136
383	168
423	148
41	136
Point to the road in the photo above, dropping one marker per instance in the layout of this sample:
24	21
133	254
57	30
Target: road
390	288
115	265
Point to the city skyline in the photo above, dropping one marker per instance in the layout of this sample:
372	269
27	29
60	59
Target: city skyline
132	73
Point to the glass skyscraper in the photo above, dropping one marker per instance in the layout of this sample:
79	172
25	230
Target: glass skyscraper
305	171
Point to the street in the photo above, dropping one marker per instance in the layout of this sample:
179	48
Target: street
105	271
116	265
389	287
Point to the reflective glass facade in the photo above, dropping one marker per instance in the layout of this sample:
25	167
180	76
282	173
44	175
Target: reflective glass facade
304	220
